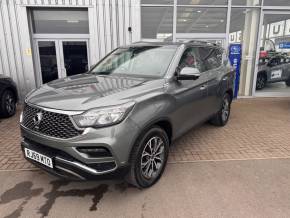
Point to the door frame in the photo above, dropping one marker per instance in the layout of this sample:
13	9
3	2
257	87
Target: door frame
262	15
57	39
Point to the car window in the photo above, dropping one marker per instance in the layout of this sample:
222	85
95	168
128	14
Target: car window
190	58
275	62
210	57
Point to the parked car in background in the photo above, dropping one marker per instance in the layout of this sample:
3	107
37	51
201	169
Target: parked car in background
121	117
8	96
273	69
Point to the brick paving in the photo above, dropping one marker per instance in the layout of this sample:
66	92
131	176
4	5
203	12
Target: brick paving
258	128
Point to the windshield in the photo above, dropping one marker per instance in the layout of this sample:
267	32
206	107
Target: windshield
146	61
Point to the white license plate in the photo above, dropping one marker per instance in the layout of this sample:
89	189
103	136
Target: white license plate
276	74
40	158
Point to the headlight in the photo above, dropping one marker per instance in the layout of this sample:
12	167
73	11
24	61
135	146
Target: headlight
100	117
21	117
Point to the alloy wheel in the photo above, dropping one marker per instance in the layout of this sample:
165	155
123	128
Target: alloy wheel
225	109
260	82
153	156
10	104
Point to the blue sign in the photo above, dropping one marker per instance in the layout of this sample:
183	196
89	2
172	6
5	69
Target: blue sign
235	56
284	45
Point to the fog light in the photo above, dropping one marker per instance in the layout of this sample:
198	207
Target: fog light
95	151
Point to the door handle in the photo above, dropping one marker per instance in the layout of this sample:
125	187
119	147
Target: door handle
203	87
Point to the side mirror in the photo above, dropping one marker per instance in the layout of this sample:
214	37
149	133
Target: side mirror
188	73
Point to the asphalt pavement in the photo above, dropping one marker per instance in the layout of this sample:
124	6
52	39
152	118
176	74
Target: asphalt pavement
242	188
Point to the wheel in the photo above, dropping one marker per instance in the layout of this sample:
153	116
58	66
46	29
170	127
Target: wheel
222	117
287	82
261	81
7	104
148	158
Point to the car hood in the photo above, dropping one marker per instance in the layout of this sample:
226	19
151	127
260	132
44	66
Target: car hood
86	91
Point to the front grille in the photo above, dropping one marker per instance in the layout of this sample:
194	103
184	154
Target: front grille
50	124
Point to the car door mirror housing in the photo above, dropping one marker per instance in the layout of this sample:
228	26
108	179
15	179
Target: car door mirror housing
188	73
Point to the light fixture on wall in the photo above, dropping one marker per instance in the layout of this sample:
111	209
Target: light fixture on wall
199	11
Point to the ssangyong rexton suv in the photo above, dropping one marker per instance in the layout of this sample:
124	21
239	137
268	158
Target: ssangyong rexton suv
121	117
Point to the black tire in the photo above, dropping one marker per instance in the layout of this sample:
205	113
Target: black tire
222	117
261	81
136	176
7	104
287	82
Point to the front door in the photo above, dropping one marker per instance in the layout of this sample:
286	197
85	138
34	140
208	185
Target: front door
60	58
190	95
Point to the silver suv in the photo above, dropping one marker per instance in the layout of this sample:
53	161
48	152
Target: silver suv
120	118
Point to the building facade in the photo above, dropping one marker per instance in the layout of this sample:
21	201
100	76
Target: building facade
42	40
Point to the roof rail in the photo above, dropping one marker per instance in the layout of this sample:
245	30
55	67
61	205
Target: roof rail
201	42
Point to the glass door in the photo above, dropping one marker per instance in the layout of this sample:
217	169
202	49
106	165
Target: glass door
61	58
74	57
273	67
48	60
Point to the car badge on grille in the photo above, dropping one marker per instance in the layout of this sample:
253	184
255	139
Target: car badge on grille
37	119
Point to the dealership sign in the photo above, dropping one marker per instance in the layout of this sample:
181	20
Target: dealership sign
283	45
273	30
235	55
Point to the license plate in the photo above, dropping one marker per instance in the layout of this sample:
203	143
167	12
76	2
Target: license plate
276	74
40	158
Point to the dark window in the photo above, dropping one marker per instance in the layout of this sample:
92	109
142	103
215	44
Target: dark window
210	57
275	62
190	58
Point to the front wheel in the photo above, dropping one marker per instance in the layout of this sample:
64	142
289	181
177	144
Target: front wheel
222	117
287	82
261	81
7	104
148	158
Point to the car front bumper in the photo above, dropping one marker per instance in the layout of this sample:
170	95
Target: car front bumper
70	163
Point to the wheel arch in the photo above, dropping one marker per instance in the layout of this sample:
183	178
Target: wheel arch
231	93
264	73
164	123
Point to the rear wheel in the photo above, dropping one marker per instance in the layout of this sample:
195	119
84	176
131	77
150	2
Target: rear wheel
222	117
287	82
261	81
148	158
7	104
